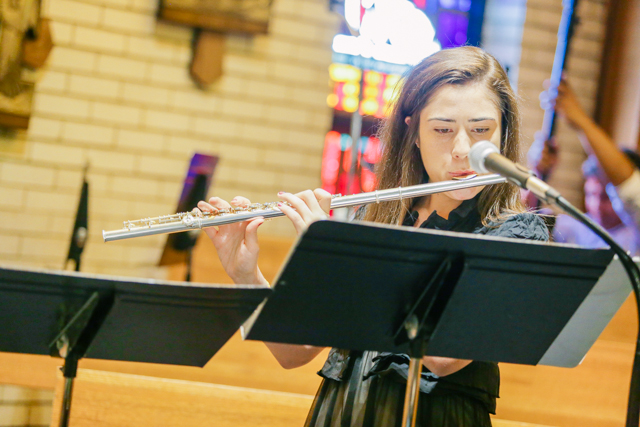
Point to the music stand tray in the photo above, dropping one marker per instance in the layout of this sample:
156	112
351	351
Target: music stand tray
74	315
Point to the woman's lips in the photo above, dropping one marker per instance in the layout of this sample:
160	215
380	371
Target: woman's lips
463	174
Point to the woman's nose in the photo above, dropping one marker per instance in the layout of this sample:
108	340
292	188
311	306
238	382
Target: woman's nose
461	146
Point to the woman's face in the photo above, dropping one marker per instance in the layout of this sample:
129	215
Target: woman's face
457	117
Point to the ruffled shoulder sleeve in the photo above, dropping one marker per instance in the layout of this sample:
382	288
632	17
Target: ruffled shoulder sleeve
519	226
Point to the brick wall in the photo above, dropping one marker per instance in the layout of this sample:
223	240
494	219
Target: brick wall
584	62
116	93
20	406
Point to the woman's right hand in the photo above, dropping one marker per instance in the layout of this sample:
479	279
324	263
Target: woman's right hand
236	243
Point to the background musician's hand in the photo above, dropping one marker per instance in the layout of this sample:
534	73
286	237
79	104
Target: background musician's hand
568	105
237	243
306	207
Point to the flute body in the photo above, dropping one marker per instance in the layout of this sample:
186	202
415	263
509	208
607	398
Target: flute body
186	221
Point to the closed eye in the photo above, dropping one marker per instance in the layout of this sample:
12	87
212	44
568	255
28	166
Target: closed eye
481	130
443	131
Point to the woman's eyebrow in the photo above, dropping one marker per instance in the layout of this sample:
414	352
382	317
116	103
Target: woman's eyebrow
441	119
481	119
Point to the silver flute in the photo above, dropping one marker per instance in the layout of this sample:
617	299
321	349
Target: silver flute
186	221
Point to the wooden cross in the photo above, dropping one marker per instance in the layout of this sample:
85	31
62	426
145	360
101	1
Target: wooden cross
212	20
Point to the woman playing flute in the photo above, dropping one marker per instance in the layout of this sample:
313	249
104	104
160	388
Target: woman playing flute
448	102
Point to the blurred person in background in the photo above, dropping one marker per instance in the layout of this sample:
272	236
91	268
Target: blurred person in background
612	181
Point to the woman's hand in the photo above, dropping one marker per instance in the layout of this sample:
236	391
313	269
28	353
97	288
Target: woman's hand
237	243
306	207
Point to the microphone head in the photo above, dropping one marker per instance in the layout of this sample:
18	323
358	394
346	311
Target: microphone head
479	152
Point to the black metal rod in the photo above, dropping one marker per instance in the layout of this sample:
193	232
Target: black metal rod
65	412
633	406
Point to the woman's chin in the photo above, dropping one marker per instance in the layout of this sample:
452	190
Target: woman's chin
464	193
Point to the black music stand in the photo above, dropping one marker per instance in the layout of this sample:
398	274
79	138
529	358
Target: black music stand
73	315
425	292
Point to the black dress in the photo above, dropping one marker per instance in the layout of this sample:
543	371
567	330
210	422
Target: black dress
366	389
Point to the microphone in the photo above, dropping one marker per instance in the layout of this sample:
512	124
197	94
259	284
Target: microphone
485	157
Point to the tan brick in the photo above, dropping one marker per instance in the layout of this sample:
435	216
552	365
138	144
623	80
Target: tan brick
40	415
287	115
235	107
62	33
231	85
298	182
56	153
262	134
196	100
275	48
122	67
152	48
183	54
245	65
63	58
312	97
99	182
27	174
41	127
183	145
112	208
9	245
55	202
130	22
284	158
11	197
140	140
73	11
103	41
13	393
23	221
170	167
246	155
315	55
305	139
61	106
107	253
123	4
87	133
268	90
166	120
256	177
52	80
68	179
215	128
144	5
111	161
291	28
135	186
171	190
168	74
42	247
91	86
283	70
145	94
115	113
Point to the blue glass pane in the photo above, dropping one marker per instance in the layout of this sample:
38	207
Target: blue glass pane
452	29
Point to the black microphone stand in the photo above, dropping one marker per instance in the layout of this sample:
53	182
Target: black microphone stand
553	197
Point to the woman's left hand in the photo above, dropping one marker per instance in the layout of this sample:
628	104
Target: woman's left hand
306	207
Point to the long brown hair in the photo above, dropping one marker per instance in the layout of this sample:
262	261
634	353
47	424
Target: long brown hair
401	163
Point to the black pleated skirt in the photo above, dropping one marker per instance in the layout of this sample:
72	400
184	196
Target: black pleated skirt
365	400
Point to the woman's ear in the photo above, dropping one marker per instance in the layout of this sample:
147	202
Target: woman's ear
407	120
